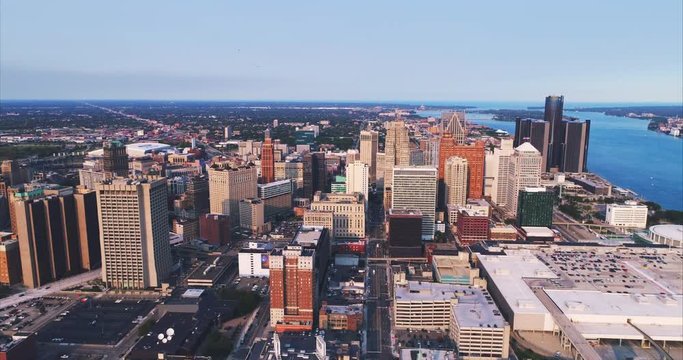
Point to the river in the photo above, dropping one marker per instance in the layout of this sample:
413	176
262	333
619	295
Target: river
623	151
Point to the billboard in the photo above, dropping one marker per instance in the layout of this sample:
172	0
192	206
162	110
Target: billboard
265	261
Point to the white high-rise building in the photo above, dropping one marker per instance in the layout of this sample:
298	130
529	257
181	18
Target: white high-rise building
357	178
415	187
368	152
630	215
455	180
497	166
524	171
134	232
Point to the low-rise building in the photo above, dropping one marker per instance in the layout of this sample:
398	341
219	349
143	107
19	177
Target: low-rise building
253	260
348	213
252	216
630	215
341	317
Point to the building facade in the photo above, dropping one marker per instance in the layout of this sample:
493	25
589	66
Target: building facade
497	167
368	152
348	213
357	178
276	197
415	188
629	215
252	216
228	185
267	161
455	181
315	174
293	289
525	171
535	207
405	232
215	229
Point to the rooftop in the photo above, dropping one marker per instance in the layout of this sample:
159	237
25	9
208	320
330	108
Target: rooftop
670	231
309	235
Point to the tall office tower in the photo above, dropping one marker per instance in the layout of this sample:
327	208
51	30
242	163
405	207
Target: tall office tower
357	175
267	161
575	146
474	154
10	262
497	165
405	232
415	188
48	238
197	194
455	125
228	185
535	207
349	213
276	197
536	132
252	216
432	151
396	149
11	172
315	174
455	181
115	158
381	161
368	152
133	214
293	288
85	201
525	171
215	229
227	132
553	116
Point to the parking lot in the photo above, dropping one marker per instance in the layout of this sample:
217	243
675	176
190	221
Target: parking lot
29	315
101	322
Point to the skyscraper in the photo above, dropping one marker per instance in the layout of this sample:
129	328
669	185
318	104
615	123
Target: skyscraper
115	158
85	201
575	146
536	132
315	174
293	288
267	161
368	152
133	214
405	232
11	172
228	185
474	154
357	178
415	187
396	149
535	207
455	180
553	116
496	171
455	125
525	171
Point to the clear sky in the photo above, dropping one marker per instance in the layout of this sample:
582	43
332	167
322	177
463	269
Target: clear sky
607	50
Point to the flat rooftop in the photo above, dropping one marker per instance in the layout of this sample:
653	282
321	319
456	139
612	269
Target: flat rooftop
309	235
451	267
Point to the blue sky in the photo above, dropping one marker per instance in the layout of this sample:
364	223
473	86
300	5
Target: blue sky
626	51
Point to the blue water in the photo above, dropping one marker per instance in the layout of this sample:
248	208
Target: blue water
624	152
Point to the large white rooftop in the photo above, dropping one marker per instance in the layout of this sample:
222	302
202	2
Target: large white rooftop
669	231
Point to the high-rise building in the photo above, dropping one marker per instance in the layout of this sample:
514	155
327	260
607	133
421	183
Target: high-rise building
11	172
267	161
474	154
85	201
357	178
227	132
368	152
535	207
276	197
455	181
415	188
525	171
629	215
228	185
455	125
134	232
315	174
405	232
348	210
215	229
575	146
197	194
553	116
396	149
497	167
293	288
379	175
115	158
536	132
252	216
10	262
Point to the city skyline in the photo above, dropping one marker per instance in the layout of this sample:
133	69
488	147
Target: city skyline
613	52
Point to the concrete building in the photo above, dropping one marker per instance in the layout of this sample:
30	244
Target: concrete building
115	158
535	207
215	229
396	153
341	317
10	262
228	185
455	181
357	178
85	201
267	161
368	152
293	289
415	188
455	269
316	218
536	132
290	170
630	215
525	171
474	154
134	233
348	213
276	197
254	260
472	227
575	146
381	162
252	216
315	174
666	234
405	232
497	167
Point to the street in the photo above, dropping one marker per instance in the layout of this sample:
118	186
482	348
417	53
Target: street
50	288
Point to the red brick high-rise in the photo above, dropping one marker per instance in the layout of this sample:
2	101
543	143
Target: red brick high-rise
293	287
474	154
267	161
